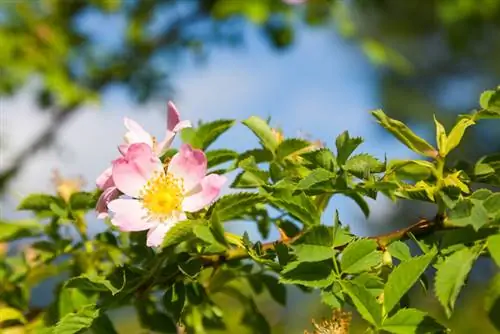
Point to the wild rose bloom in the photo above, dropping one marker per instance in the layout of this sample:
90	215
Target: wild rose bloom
136	134
156	198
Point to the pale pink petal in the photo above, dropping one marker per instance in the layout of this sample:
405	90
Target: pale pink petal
182	125
136	133
132	171
105	180
174	125
188	165
156	235
102	204
165	144
129	215
210	188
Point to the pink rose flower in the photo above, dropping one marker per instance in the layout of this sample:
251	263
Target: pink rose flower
136	134
156	198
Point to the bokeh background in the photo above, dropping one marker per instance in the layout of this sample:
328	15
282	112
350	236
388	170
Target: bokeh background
70	70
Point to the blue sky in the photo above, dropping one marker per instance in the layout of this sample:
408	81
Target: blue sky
322	86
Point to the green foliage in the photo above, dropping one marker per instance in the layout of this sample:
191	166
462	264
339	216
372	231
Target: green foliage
411	321
365	303
76	321
19	229
289	184
263	131
492	301
359	256
403	277
93	283
405	135
203	136
309	274
451	275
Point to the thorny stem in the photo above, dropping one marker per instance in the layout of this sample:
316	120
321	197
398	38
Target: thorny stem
423	226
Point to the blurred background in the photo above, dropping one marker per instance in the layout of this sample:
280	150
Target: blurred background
70	70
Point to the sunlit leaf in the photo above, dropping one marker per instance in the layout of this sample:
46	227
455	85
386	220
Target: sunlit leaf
403	277
451	275
405	135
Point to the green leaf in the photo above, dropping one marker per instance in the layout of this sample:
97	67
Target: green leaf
364	301
189	136
74	322
322	158
103	325
259	155
11	314
191	268
492	301
205	233
456	134
415	170
298	211
72	299
316	176
492	205
90	282
207	133
315	245
313	253
441	138
275	289
82	201
411	321
180	232
363	165
217	157
360	201
309	274
359	256
451	275
174	299
263	131
403	277
399	130
37	202
485	98
487	169
247	179
19	229
493	243
399	250
345	146
234	206
333	296
289	147
468	212
490	100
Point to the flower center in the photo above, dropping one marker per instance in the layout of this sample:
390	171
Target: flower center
162	196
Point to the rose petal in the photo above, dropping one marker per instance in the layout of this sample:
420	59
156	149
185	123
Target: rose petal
156	235
136	133
174	125
189	165
182	125
105	180
102	203
131	172
129	215
210	188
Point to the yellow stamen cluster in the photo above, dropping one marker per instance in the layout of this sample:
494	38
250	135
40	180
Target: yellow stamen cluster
338	324
162	196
